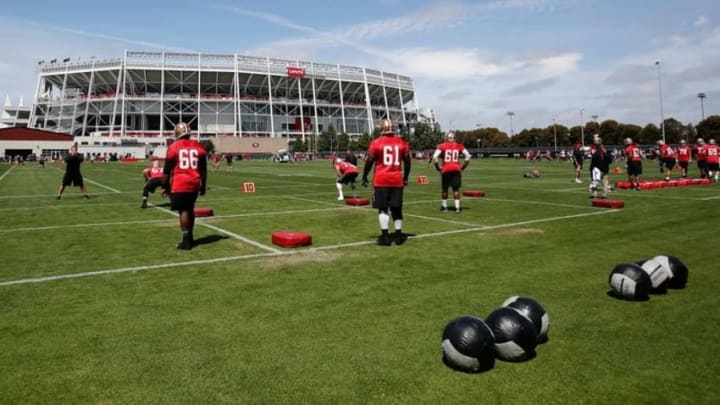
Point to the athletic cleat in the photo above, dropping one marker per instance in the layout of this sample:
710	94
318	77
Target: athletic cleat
58	197
340	198
458	210
184	244
443	209
144	204
399	238
384	240
578	181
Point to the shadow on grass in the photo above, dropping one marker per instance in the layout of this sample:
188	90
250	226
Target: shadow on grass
205	240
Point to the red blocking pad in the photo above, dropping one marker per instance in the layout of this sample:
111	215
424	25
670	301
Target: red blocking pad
204	212
474	193
357	201
608	203
290	239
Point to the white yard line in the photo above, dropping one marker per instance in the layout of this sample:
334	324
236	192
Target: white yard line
285	252
89	225
7	172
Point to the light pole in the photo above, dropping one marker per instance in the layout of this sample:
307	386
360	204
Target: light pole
510	115
662	114
702	96
555	133
582	127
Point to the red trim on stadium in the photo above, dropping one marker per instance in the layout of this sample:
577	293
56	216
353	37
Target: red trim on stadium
32	134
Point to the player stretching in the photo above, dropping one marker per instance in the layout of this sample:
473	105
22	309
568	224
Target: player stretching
448	153
346	174
390	154
153	179
186	171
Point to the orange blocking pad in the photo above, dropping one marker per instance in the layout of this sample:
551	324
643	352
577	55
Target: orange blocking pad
474	193
204	212
290	239
357	201
608	203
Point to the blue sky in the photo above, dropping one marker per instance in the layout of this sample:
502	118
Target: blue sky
472	61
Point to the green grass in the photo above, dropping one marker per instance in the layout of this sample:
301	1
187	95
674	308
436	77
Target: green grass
346	321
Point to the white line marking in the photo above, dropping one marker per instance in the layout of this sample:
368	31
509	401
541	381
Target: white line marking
7	172
101	185
228	233
47	228
283	253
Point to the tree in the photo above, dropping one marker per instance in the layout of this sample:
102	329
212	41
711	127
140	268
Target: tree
424	138
608	130
343	142
299	146
208	145
649	135
327	141
709	127
673	130
363	142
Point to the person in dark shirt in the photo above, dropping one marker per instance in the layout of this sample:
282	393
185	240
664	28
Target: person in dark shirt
578	154
72	176
350	157
600	160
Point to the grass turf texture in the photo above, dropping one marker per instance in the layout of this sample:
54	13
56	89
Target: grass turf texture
346	321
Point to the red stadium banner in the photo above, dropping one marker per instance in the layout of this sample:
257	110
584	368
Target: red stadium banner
295	72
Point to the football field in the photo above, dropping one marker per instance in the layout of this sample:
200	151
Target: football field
97	305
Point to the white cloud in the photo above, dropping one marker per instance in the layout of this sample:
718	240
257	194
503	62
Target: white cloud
701	21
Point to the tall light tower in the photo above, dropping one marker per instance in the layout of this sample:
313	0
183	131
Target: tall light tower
662	114
510	115
702	96
555	133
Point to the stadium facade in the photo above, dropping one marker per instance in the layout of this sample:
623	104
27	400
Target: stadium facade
143	94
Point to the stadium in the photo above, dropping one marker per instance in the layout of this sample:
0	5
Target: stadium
143	94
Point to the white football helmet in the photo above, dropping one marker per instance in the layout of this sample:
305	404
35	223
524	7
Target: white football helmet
450	136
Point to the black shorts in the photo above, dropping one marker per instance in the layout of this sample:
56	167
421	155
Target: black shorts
183	201
634	168
387	197
152	184
701	164
451	179
713	167
668	163
578	165
347	178
684	165
73	179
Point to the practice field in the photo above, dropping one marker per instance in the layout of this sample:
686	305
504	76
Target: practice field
97	305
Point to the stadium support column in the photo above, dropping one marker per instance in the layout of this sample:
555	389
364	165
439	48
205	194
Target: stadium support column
237	119
387	108
312	82
62	99
87	98
272	120
117	94
302	114
370	122
342	100
31	122
123	115
199	107
162	95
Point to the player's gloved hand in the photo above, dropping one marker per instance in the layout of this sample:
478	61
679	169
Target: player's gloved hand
364	182
202	191
405	182
437	167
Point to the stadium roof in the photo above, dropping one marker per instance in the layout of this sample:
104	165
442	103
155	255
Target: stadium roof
32	134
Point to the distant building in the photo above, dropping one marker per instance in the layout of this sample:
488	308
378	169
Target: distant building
14	115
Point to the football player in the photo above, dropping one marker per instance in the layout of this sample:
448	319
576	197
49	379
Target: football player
449	153
600	161
390	155
667	158
711	159
577	157
72	173
634	163
186	173
153	179
346	174
683	157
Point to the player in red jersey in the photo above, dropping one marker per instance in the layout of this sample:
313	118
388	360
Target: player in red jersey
346	174
667	158
634	163
712	159
684	154
391	156
449	153
186	171
153	179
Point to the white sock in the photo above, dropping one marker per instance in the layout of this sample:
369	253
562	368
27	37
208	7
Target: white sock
457	205
384	220
443	203
398	224
339	189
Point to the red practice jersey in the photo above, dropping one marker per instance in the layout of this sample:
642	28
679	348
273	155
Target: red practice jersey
711	152
701	152
154	172
388	152
345	168
186	156
667	152
449	154
633	153
683	153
